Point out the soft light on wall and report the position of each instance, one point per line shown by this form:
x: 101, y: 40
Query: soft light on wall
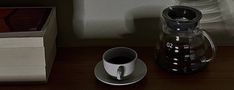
x: 112, y: 18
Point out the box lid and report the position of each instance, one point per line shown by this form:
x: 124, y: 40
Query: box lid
x: 23, y: 21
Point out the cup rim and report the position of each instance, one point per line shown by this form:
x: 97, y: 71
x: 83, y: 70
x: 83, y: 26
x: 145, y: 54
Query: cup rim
x: 104, y: 54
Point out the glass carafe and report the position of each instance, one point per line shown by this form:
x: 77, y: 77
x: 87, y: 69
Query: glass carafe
x: 183, y: 46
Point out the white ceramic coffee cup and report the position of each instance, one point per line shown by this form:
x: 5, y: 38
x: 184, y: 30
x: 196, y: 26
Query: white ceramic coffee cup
x: 119, y: 70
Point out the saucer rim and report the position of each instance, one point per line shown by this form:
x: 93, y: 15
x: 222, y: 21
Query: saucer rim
x: 121, y: 84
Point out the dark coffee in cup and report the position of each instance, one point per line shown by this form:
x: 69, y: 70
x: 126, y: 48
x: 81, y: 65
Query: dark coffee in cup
x: 120, y: 60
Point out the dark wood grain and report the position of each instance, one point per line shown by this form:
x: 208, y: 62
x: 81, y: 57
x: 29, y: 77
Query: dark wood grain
x: 74, y: 70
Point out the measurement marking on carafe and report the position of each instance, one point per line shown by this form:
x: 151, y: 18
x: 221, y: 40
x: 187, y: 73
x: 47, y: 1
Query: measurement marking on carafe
x: 186, y: 56
x: 176, y: 47
x: 175, y: 63
x: 177, y: 38
x: 170, y: 45
x: 178, y: 29
x: 174, y: 70
x: 186, y: 46
x: 175, y: 59
x: 176, y: 51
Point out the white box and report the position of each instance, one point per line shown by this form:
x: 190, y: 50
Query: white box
x: 28, y: 56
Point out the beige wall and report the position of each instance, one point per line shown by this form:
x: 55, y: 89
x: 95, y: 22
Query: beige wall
x: 144, y: 35
x: 67, y: 37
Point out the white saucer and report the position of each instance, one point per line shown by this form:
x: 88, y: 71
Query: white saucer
x: 136, y: 76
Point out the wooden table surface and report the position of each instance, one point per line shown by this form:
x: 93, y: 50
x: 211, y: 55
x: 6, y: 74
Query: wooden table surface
x: 74, y: 70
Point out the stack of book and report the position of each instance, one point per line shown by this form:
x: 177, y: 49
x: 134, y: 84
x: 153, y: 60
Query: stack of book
x: 27, y: 43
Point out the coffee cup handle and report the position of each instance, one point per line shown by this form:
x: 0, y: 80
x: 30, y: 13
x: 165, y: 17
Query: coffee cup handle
x: 120, y: 73
x: 212, y: 46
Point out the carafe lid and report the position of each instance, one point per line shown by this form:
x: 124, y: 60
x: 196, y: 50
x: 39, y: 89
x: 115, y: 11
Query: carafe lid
x: 181, y: 18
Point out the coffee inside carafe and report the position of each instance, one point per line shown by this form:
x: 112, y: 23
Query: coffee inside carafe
x: 178, y: 55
